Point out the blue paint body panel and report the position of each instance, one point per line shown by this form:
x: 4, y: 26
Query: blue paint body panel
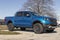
x: 24, y: 21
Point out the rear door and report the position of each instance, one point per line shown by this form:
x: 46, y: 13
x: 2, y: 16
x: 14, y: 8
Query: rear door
x: 19, y: 19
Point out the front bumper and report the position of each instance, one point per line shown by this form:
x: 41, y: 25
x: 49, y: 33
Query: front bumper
x: 49, y: 27
x: 52, y: 26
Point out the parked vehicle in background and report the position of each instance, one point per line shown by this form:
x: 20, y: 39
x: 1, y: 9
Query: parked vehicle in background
x: 2, y: 22
x: 27, y: 19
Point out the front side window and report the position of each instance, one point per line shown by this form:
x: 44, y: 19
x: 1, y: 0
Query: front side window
x: 26, y: 14
x: 36, y: 14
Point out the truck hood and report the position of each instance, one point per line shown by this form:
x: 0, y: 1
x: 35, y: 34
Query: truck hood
x: 46, y: 17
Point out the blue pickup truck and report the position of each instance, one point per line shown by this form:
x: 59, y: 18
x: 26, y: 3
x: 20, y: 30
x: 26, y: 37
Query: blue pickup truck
x: 28, y: 19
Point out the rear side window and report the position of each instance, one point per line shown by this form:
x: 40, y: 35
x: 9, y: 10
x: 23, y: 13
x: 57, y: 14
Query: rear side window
x: 19, y: 14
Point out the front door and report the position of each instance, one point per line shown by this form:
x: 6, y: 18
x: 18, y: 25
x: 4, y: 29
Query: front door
x: 27, y: 19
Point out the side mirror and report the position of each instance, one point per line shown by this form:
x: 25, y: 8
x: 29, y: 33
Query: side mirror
x: 28, y: 15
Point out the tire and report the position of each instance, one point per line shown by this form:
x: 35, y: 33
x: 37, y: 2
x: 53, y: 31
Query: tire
x: 22, y: 28
x: 38, y: 28
x: 49, y: 31
x: 10, y: 27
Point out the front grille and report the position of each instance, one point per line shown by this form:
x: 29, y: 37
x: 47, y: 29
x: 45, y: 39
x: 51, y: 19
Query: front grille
x: 54, y: 21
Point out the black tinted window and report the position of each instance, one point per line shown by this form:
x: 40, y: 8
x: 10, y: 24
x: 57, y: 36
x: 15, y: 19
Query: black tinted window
x: 26, y: 14
x: 19, y: 14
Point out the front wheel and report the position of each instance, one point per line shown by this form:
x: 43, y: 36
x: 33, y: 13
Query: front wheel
x: 38, y: 28
x: 10, y: 27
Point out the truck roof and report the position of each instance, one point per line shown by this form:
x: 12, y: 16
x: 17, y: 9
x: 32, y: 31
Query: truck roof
x: 24, y: 11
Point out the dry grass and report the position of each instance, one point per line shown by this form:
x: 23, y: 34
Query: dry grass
x: 3, y: 27
x: 8, y: 33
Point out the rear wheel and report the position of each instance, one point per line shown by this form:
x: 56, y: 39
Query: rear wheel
x: 22, y: 28
x: 10, y: 27
x: 38, y: 28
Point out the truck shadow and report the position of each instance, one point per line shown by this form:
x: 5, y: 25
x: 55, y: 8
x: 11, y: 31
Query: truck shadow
x: 51, y: 32
x: 28, y: 30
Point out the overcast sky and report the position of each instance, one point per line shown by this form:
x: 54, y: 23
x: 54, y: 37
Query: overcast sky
x: 9, y: 7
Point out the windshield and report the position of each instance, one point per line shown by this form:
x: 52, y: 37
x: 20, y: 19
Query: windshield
x: 36, y: 14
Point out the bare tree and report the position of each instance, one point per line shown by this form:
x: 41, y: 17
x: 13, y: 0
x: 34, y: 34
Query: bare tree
x: 43, y: 7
